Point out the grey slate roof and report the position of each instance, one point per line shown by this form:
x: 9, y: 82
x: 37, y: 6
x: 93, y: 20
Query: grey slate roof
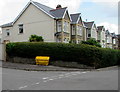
x: 55, y: 13
x: 58, y: 13
x: 74, y: 18
x: 100, y: 27
x: 44, y: 7
x: 89, y: 24
x: 107, y: 32
x: 114, y: 35
x: 7, y: 25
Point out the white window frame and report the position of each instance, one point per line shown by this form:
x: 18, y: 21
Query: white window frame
x: 7, y: 32
x: 73, y: 30
x: 65, y: 26
x: 59, y: 26
x: 89, y: 32
x: 79, y: 30
x: 21, y: 29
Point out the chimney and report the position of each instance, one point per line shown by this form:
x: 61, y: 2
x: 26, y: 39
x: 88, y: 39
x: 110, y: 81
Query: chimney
x: 58, y: 6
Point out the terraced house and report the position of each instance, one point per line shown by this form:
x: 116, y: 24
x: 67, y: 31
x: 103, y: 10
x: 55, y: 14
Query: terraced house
x: 91, y: 30
x: 77, y: 28
x: 101, y: 36
x: 108, y: 39
x: 52, y: 24
x: 114, y: 41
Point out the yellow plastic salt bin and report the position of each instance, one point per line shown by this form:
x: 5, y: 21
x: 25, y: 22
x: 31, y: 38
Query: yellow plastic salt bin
x: 42, y: 60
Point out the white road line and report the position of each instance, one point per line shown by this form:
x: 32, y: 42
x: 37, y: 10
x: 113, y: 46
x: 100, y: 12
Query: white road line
x: 45, y: 78
x: 23, y: 87
x: 84, y: 72
x: 37, y: 83
x: 51, y: 79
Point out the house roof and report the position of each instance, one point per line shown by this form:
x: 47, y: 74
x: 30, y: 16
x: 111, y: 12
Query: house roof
x: 75, y: 18
x: 44, y: 7
x: 114, y: 35
x: 108, y: 33
x: 58, y: 13
x: 100, y: 27
x: 7, y: 25
x: 89, y: 24
x: 53, y: 13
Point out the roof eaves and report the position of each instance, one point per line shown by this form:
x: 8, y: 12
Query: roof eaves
x: 78, y: 18
x: 68, y: 14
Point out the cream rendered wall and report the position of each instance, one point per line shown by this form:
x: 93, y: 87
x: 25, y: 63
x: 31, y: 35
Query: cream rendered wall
x: 34, y: 22
x: 4, y: 35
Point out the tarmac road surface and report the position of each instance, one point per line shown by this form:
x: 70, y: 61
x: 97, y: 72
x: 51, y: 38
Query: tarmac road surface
x: 106, y: 79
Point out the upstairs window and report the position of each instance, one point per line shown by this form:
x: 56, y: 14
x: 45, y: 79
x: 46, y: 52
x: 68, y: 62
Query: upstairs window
x: 59, y: 26
x: 79, y: 30
x: 7, y: 32
x: 20, y: 28
x: 66, y: 25
x: 89, y: 33
x: 73, y: 30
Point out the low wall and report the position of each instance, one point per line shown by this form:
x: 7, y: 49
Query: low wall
x: 2, y: 51
x: 21, y: 60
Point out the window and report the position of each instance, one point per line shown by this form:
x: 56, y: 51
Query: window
x: 7, y: 32
x: 65, y: 26
x: 59, y: 26
x: 58, y: 40
x: 73, y: 30
x: 89, y: 33
x: 79, y: 30
x: 114, y: 41
x: 20, y: 28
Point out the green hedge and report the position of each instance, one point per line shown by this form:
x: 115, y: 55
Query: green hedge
x: 80, y: 53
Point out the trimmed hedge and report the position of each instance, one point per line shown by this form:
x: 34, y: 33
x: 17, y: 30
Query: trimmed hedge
x: 80, y: 53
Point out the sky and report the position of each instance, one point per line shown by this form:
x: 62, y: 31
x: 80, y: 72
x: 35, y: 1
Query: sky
x: 103, y: 12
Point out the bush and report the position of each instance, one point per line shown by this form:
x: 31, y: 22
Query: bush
x: 35, y: 38
x: 82, y: 54
x: 91, y: 41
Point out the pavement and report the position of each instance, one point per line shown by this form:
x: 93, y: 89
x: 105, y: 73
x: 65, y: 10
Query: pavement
x: 29, y: 67
x: 14, y: 79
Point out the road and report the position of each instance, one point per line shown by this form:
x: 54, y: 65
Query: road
x: 41, y: 80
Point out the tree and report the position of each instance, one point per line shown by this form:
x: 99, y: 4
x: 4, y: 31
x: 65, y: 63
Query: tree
x: 35, y: 38
x: 91, y: 41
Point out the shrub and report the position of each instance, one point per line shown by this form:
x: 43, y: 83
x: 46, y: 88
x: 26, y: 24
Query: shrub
x: 82, y: 54
x: 91, y: 41
x: 35, y: 38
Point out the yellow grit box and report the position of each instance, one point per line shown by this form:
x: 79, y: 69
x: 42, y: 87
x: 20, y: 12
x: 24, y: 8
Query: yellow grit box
x: 42, y: 60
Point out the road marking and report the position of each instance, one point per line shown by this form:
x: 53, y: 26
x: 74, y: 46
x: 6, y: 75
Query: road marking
x: 45, y: 78
x: 50, y: 79
x: 37, y: 83
x: 23, y: 87
x: 84, y: 72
